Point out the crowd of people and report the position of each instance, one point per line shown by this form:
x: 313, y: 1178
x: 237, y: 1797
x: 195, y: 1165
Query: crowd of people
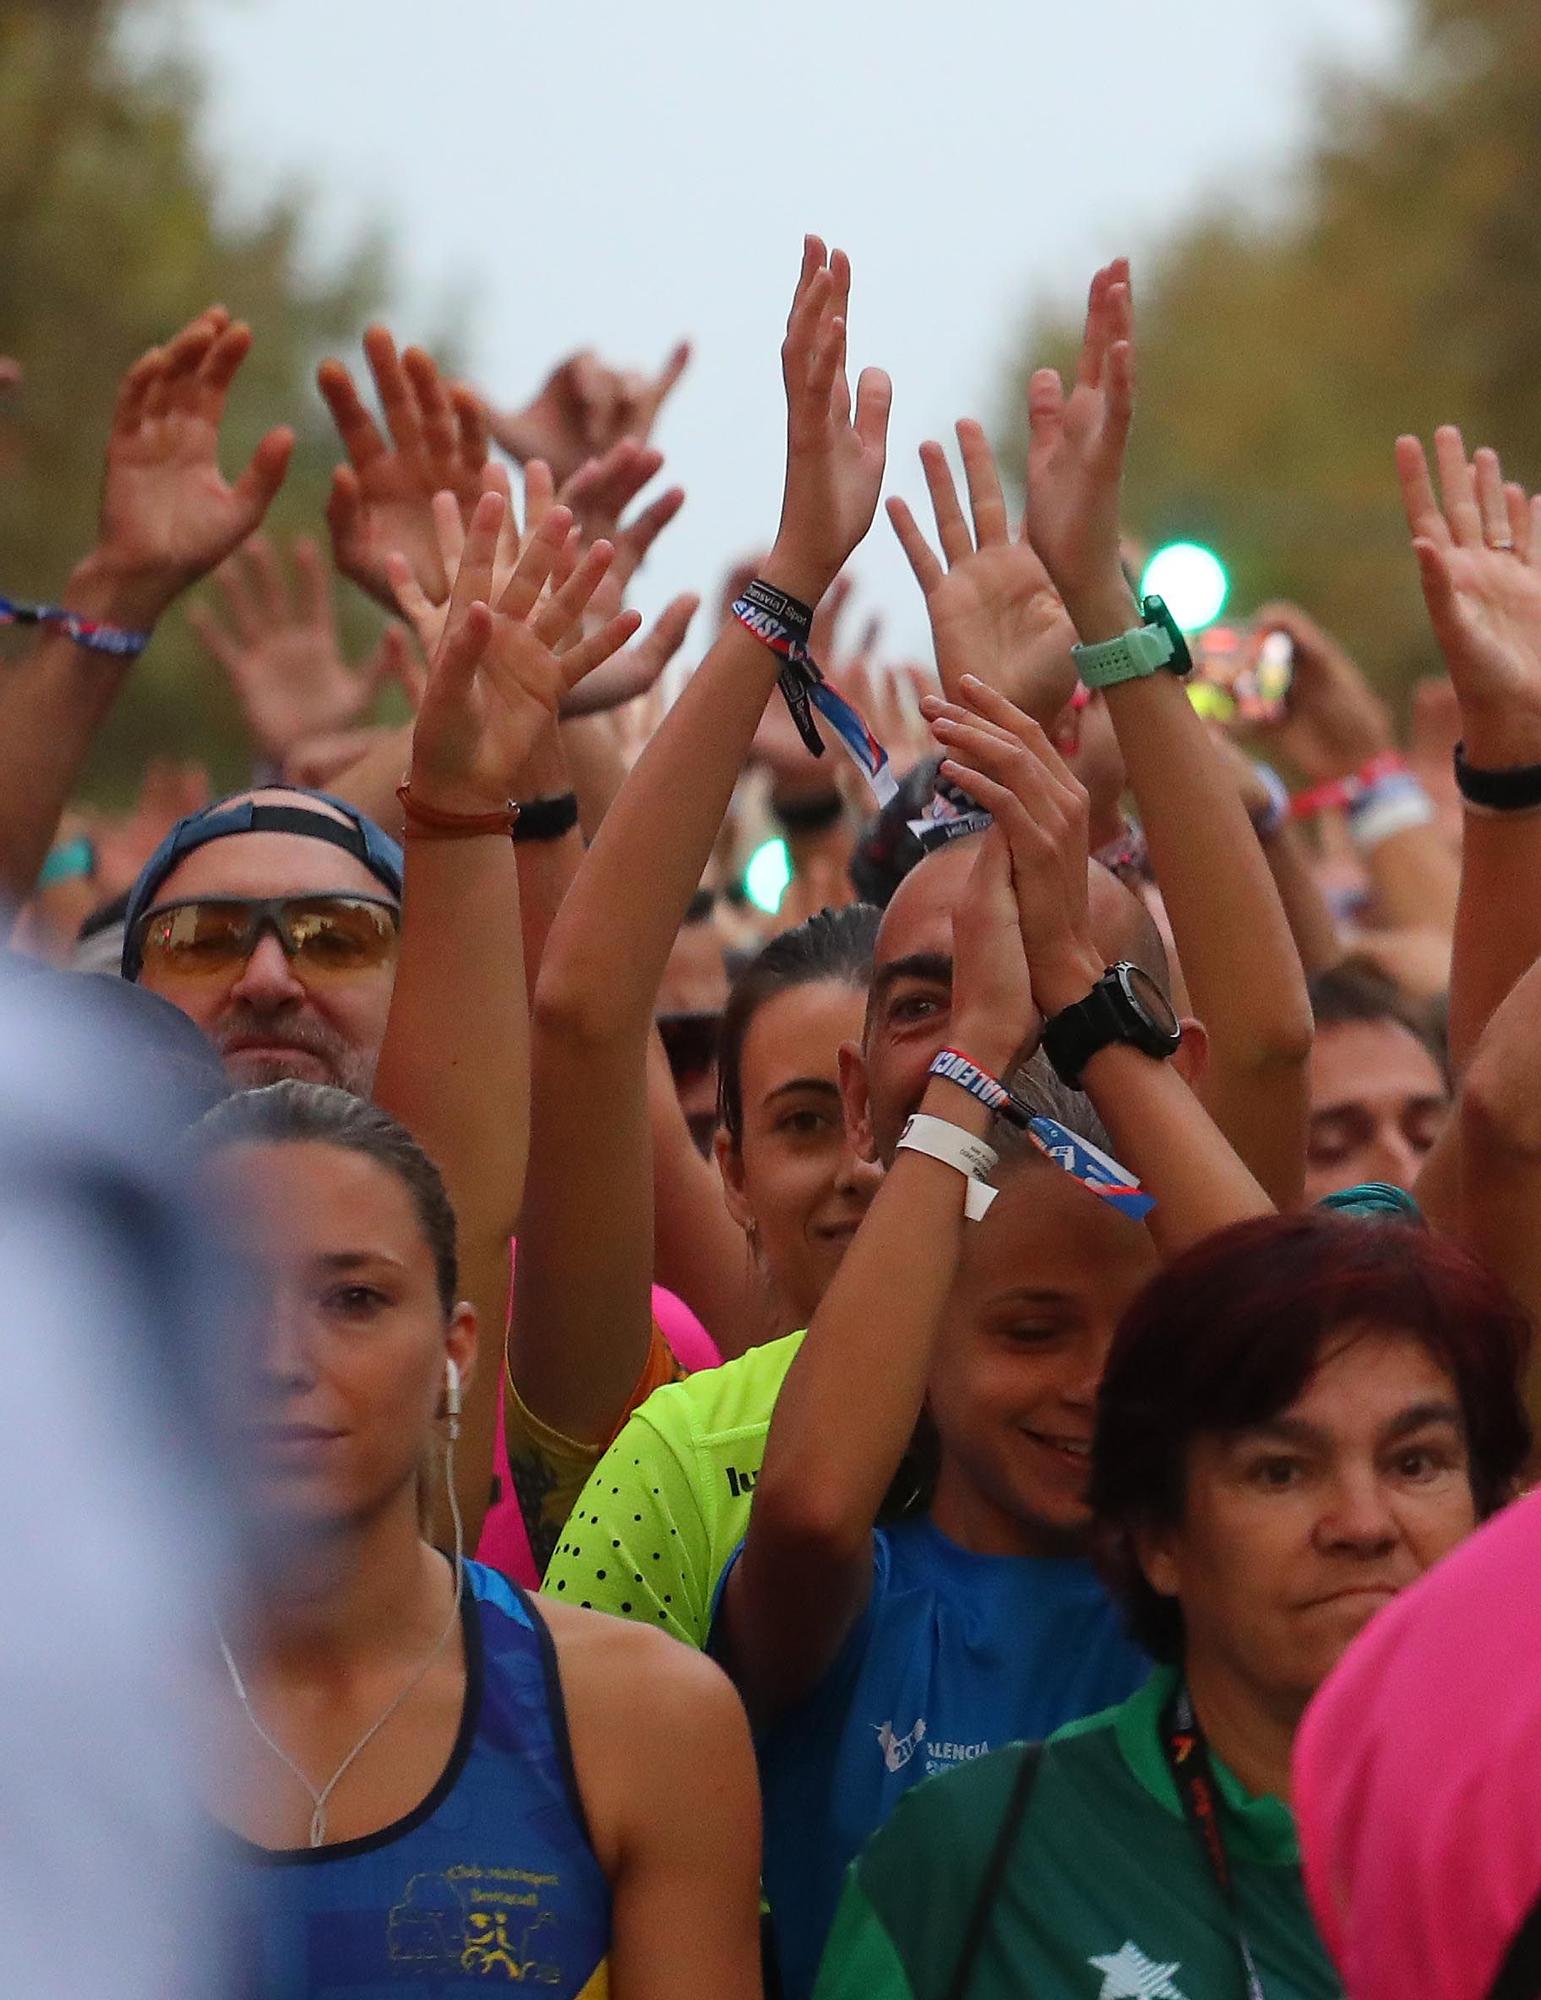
x: 962, y: 1437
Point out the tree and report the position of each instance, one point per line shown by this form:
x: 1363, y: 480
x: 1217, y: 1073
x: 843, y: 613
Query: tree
x: 1401, y: 289
x: 111, y: 235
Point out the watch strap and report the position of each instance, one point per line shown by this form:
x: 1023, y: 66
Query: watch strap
x: 1074, y: 1035
x: 1133, y: 656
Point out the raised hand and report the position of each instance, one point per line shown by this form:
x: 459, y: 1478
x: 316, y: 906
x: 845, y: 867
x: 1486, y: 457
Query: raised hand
x: 583, y: 409
x: 1075, y: 461
x: 168, y: 515
x: 835, y: 457
x: 636, y: 669
x: 499, y: 673
x: 993, y: 610
x: 1334, y: 722
x: 280, y: 649
x: 994, y: 1011
x: 381, y: 498
x: 600, y: 491
x: 1002, y: 758
x: 1479, y: 560
x: 427, y: 614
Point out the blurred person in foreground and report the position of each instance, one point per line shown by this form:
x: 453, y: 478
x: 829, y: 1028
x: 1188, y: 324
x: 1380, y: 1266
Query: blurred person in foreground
x: 117, y: 1303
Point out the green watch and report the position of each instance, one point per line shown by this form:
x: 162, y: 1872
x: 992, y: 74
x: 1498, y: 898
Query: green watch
x: 1159, y: 642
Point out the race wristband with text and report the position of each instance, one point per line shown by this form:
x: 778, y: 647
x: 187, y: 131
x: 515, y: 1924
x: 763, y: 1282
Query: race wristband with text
x: 956, y: 1067
x: 88, y: 632
x: 1092, y: 1167
x: 785, y: 624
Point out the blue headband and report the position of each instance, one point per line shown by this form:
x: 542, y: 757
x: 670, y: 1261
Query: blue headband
x: 358, y: 835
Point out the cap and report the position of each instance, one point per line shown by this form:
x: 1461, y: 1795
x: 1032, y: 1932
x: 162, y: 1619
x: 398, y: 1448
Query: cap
x: 355, y: 834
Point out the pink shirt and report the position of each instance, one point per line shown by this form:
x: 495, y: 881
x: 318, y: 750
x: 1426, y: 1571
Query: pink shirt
x: 504, y: 1543
x: 1417, y: 1780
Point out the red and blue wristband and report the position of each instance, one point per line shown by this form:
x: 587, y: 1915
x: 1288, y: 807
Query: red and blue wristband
x: 1085, y: 1163
x: 785, y: 624
x: 88, y: 632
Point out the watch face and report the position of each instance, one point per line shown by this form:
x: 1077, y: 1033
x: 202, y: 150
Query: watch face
x: 1149, y: 1000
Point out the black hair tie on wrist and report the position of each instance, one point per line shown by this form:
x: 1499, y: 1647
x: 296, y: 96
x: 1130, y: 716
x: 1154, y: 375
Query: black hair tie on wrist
x: 809, y: 815
x: 547, y: 819
x: 1513, y: 788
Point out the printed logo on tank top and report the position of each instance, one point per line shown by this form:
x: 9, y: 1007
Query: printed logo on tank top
x: 740, y: 1483
x: 488, y: 1922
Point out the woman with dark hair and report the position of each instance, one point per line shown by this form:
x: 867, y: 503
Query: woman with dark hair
x: 794, y: 1183
x: 608, y: 1139
x: 424, y: 1777
x: 1298, y: 1418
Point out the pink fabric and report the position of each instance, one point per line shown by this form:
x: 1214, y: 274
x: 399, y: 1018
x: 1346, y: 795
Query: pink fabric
x: 504, y: 1543
x: 1416, y: 1781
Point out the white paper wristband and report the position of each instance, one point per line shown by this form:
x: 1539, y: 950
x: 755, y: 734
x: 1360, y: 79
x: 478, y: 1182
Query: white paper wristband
x: 940, y: 1140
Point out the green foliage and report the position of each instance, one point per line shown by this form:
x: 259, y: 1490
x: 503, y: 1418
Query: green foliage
x: 1279, y: 360
x: 112, y: 235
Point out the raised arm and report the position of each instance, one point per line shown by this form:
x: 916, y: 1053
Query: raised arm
x: 455, y: 1064
x: 168, y: 517
x: 1479, y: 558
x: 1211, y: 873
x: 1336, y: 727
x: 582, y: 1325
x: 1161, y: 1131
x: 847, y: 1412
x: 1498, y: 1115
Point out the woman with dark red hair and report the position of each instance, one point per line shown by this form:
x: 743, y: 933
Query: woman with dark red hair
x: 1298, y: 1418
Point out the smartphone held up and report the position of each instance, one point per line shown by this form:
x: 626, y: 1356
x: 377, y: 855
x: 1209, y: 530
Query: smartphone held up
x: 1242, y: 674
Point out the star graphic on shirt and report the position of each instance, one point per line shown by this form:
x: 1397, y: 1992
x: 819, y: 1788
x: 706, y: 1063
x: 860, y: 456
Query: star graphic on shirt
x: 1128, y: 1974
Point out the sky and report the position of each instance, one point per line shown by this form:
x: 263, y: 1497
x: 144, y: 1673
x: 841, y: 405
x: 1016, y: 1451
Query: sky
x: 590, y: 174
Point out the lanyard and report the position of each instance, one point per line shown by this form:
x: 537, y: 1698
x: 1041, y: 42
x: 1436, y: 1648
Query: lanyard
x: 1187, y: 1756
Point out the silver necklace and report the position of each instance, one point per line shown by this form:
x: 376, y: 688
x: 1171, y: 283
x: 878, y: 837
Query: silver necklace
x: 319, y: 1798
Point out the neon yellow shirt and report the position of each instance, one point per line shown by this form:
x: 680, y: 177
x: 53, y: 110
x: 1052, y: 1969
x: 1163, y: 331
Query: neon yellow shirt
x: 669, y: 1502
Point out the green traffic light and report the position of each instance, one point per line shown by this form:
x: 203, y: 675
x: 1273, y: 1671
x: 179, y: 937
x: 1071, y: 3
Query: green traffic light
x: 1192, y: 582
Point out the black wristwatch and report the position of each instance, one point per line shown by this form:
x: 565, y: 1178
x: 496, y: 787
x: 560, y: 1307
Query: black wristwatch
x: 1126, y: 1005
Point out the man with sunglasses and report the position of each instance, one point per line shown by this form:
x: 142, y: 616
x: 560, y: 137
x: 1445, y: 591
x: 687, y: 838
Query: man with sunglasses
x: 271, y: 920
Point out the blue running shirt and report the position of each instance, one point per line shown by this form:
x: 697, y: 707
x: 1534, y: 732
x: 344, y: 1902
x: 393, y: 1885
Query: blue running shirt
x: 955, y: 1654
x: 490, y: 1881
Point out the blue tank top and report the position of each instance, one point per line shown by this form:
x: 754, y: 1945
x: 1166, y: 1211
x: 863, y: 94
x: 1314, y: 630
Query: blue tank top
x: 491, y: 1880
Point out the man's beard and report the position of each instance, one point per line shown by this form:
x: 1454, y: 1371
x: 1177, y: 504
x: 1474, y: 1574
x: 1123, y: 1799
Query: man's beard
x: 300, y: 1048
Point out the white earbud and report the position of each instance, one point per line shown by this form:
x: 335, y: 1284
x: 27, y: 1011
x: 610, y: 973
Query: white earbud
x: 452, y: 1388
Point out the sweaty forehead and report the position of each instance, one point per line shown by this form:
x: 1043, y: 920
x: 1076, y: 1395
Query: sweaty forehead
x: 268, y: 864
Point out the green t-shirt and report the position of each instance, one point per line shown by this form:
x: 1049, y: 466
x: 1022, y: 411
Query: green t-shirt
x: 1106, y: 1894
x: 668, y: 1503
